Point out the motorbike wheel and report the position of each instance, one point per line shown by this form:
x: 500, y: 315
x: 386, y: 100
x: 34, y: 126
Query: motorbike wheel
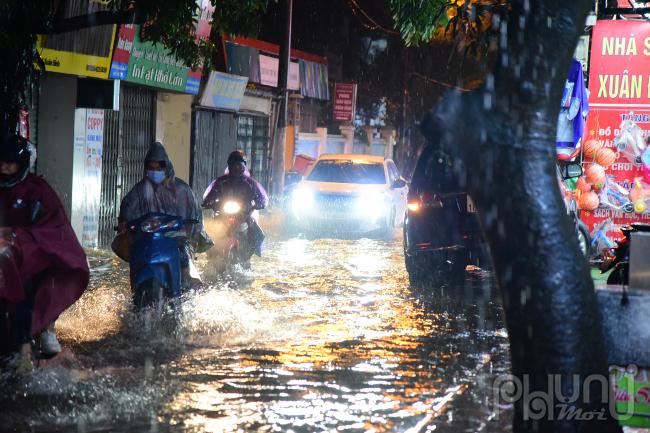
x: 619, y: 275
x: 584, y: 239
x: 148, y: 294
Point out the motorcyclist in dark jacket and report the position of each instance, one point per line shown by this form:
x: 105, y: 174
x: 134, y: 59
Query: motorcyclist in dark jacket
x: 239, y: 183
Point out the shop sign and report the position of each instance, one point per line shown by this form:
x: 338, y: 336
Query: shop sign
x: 59, y: 57
x: 269, y: 74
x: 87, y: 174
x: 314, y: 81
x: 620, y: 70
x: 152, y: 64
x: 631, y: 389
x: 345, y: 100
x: 85, y: 52
x: 224, y: 91
x: 619, y: 87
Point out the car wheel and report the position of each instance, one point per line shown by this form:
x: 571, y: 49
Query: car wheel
x: 415, y: 267
x: 387, y: 231
x: 450, y: 268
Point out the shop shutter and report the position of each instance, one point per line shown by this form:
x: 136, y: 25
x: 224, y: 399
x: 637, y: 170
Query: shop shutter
x: 253, y: 138
x: 214, y: 136
x: 127, y: 136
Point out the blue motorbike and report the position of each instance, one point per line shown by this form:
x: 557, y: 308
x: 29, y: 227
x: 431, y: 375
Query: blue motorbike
x: 155, y: 257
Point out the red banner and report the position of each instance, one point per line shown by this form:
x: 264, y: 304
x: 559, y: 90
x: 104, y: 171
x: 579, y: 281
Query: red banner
x: 620, y: 70
x: 619, y: 84
x: 345, y: 98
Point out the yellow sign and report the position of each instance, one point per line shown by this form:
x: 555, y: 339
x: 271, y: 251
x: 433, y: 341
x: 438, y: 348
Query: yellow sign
x: 77, y: 53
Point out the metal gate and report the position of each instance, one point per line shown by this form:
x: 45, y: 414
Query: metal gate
x: 253, y: 138
x: 127, y: 136
x: 214, y: 136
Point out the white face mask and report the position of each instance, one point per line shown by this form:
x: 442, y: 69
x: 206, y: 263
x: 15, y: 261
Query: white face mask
x: 156, y: 176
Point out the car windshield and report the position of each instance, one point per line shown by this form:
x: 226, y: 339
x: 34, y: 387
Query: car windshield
x: 343, y: 171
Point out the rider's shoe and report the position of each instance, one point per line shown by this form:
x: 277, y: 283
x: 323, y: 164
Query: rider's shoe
x: 22, y: 364
x: 49, y: 343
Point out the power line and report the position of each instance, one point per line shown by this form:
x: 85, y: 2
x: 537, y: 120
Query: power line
x: 374, y: 24
x: 440, y: 83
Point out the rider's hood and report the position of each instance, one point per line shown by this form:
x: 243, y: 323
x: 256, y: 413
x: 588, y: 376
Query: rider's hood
x: 157, y: 152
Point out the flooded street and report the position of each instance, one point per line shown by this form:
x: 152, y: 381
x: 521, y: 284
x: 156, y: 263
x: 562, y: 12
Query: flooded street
x: 321, y: 335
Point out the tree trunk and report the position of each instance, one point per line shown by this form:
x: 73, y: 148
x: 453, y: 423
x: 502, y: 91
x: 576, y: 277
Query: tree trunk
x: 504, y: 139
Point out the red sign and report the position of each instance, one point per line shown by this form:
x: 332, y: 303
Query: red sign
x: 345, y: 100
x: 620, y: 63
x: 619, y: 85
x: 203, y: 29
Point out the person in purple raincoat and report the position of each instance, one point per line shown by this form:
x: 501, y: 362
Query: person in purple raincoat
x: 239, y: 183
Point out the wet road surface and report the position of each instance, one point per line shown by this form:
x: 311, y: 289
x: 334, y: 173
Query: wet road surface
x: 321, y: 335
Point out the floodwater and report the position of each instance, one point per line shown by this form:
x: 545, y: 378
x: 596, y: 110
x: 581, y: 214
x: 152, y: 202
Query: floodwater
x: 320, y: 336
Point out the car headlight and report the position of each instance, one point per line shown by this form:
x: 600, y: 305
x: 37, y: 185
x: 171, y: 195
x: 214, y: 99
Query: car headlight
x: 371, y: 204
x: 231, y: 207
x: 302, y: 197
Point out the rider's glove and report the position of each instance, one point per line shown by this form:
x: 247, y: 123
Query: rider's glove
x: 7, y: 239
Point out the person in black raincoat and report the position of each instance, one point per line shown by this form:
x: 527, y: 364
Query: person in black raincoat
x: 161, y: 191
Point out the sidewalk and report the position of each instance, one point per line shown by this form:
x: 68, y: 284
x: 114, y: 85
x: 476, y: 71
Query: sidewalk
x: 598, y: 277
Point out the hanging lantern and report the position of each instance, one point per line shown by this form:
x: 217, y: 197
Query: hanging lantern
x: 583, y: 185
x: 591, y: 147
x: 588, y: 201
x: 595, y: 175
x: 605, y: 157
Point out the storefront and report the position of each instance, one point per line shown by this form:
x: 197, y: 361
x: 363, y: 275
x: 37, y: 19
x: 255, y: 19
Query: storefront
x: 617, y: 168
x: 257, y: 120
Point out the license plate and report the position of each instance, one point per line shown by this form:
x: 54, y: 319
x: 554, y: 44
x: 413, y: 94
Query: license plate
x: 471, y: 207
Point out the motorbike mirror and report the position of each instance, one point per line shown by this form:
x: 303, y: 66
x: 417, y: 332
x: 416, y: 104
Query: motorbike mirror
x: 571, y: 170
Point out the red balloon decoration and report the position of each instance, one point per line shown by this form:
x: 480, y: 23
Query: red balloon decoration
x: 583, y: 185
x: 591, y: 147
x: 588, y: 201
x: 605, y: 157
x: 595, y: 174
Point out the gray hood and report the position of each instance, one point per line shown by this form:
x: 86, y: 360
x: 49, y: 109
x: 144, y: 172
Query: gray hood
x: 157, y: 152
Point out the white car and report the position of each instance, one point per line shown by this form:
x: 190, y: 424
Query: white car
x: 350, y: 193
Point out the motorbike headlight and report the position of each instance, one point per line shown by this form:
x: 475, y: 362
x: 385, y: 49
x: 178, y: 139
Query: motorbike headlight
x: 231, y: 207
x: 150, y: 225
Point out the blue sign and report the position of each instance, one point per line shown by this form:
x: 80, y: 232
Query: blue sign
x: 224, y: 91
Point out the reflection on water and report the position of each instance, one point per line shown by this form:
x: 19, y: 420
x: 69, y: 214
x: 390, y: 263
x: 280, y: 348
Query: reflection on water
x: 321, y: 335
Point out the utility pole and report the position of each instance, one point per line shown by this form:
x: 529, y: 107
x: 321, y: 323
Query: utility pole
x: 279, y: 147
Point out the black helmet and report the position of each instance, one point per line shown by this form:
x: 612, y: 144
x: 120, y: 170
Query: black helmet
x: 15, y: 148
x: 237, y: 156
